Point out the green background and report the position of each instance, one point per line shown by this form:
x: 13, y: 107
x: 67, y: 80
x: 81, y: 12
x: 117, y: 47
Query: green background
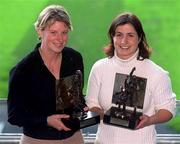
x: 91, y: 20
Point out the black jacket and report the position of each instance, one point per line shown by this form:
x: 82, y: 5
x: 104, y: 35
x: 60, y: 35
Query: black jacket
x: 31, y: 95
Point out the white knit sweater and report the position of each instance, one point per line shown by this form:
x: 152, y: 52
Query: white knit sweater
x: 158, y: 95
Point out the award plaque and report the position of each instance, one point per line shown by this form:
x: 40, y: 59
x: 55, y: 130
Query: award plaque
x: 128, y: 96
x: 70, y: 100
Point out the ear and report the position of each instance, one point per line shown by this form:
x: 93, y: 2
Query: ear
x: 39, y: 32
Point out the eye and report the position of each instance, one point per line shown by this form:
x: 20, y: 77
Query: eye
x: 53, y: 32
x: 65, y: 32
x: 131, y: 35
x: 118, y: 35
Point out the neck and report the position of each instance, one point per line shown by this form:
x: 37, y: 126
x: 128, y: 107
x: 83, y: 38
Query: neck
x: 49, y: 56
x: 52, y: 61
x: 135, y: 55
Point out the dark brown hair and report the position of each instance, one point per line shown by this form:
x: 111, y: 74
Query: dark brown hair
x: 128, y: 18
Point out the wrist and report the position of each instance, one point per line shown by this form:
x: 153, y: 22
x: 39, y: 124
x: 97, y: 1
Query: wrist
x: 152, y: 120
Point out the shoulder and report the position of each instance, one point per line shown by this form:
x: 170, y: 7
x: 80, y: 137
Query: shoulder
x: 71, y: 61
x: 71, y: 56
x: 154, y: 70
x: 25, y: 63
x: 101, y: 62
x: 101, y: 65
x: 154, y: 67
x: 71, y: 52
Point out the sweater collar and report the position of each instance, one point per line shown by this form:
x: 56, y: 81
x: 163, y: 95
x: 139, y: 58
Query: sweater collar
x: 130, y: 60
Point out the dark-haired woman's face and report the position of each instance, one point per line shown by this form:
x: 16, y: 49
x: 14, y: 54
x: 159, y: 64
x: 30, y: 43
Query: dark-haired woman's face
x: 125, y: 41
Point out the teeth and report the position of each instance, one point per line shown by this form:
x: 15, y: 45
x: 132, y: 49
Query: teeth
x: 124, y: 47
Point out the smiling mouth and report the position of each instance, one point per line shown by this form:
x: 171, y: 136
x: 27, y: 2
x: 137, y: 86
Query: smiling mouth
x: 124, y: 47
x: 59, y: 44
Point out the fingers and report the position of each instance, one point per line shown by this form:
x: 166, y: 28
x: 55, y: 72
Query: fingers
x: 86, y: 109
x: 140, y: 125
x: 63, y: 127
x: 143, y: 122
x: 55, y: 121
x: 60, y: 116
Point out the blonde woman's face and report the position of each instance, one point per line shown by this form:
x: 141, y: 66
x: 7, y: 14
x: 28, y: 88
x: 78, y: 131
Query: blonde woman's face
x: 54, y: 37
x: 125, y: 41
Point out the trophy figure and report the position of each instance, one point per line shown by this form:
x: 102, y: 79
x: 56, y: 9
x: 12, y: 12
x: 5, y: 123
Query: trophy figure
x: 70, y: 100
x: 129, y: 91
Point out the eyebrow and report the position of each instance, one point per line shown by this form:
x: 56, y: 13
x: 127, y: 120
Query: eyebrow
x: 127, y: 33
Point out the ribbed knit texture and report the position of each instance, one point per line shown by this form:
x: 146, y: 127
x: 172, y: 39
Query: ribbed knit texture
x: 158, y: 95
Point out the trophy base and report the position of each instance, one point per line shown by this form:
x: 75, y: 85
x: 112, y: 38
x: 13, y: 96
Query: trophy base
x: 117, y: 117
x: 91, y: 118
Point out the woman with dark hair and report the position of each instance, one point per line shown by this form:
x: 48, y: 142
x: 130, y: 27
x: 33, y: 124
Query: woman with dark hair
x: 127, y: 49
x: 128, y: 18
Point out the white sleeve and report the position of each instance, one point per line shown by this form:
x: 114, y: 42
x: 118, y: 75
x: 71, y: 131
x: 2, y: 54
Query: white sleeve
x: 93, y: 88
x: 163, y: 94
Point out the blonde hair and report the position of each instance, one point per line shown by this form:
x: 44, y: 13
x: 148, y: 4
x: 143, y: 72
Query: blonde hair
x: 51, y: 14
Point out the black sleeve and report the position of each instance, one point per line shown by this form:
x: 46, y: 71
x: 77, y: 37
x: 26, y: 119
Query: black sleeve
x: 19, y: 106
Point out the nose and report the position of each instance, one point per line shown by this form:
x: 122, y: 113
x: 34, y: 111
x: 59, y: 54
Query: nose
x: 60, y: 37
x: 124, y: 40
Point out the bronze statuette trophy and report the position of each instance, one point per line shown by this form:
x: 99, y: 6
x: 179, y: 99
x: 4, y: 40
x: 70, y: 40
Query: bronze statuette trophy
x: 128, y: 95
x: 70, y: 100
